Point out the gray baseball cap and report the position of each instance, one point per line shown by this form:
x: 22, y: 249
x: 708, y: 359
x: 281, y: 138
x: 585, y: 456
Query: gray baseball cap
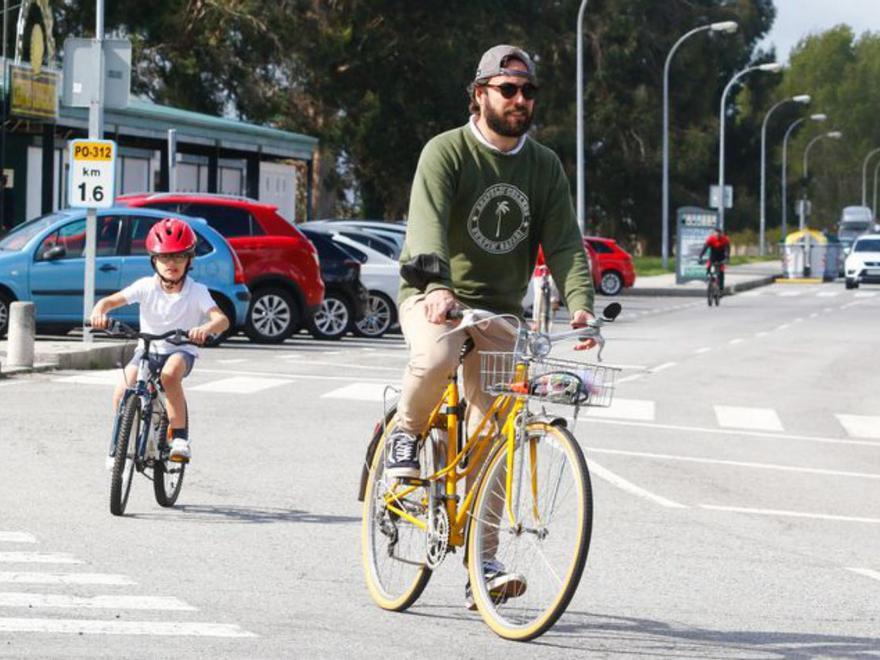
x: 493, y: 62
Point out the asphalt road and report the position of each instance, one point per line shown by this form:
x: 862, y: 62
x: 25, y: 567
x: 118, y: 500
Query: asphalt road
x: 736, y: 480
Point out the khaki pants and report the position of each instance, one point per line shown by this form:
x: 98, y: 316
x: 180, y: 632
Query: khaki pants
x: 431, y: 363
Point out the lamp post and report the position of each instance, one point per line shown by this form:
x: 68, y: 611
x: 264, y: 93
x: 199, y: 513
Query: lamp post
x: 865, y: 175
x: 797, y: 122
x: 800, y: 98
x: 4, y: 221
x: 727, y: 27
x: 772, y: 67
x: 582, y: 220
x: 876, y: 169
x: 835, y: 135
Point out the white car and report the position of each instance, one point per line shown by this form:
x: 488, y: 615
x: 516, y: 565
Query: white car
x: 381, y: 276
x: 863, y: 262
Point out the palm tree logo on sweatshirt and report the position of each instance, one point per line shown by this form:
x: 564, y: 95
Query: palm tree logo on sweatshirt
x: 499, y: 221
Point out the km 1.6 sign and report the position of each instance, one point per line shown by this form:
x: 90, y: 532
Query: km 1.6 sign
x: 92, y: 180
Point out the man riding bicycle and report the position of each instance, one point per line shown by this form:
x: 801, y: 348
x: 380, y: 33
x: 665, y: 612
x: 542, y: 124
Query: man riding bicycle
x: 484, y: 198
x: 718, y: 247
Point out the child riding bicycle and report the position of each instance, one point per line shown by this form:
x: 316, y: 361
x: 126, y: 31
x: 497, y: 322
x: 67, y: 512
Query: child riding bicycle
x: 168, y: 300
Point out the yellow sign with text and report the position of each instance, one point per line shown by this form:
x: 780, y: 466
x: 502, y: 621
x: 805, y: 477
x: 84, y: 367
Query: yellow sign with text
x: 33, y: 95
x: 94, y: 150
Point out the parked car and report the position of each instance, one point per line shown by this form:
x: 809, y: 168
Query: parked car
x: 863, y: 262
x: 280, y: 264
x: 380, y: 274
x: 43, y: 261
x: 389, y: 230
x: 345, y: 297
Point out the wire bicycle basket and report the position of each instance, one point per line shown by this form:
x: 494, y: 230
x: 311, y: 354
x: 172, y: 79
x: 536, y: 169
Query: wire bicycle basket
x: 549, y: 379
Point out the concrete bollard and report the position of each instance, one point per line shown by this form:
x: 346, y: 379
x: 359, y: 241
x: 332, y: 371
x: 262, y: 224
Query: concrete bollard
x: 20, y: 336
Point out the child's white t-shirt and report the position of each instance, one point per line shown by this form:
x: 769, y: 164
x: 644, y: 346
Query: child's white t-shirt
x: 161, y: 312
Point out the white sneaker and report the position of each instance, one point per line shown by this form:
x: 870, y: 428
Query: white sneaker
x: 180, y: 451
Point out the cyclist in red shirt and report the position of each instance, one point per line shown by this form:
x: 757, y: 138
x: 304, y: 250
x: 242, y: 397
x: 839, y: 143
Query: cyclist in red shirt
x: 718, y: 247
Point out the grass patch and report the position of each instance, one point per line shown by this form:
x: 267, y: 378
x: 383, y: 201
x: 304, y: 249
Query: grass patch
x: 647, y: 266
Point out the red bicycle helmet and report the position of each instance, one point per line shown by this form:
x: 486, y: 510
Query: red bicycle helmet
x: 170, y: 236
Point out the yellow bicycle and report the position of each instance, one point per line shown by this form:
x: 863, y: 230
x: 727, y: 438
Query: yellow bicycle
x: 526, y: 500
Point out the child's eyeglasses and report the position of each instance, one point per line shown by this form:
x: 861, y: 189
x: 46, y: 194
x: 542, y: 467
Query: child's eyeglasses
x: 172, y: 258
x: 509, y: 90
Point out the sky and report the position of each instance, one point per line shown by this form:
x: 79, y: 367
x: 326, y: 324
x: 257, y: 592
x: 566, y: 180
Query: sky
x: 797, y: 18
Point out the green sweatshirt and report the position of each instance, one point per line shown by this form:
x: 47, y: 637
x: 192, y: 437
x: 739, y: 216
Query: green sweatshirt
x: 483, y: 214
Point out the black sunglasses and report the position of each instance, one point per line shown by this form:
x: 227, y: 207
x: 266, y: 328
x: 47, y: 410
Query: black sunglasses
x: 509, y: 90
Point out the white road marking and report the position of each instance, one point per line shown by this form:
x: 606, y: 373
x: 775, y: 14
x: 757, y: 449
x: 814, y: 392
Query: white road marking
x: 791, y: 514
x: 17, y: 537
x: 629, y: 487
x: 343, y: 365
x: 789, y: 294
x: 867, y: 572
x: 291, y: 376
x: 24, y: 599
x: 735, y: 432
x: 704, y: 349
x: 290, y: 356
x: 750, y: 294
x: 358, y: 392
x: 240, y: 385
x: 738, y: 340
x: 745, y: 464
x: 865, y: 294
x: 8, y: 383
x: 784, y: 326
x: 28, y: 577
x: 628, y: 379
x: 755, y: 419
x: 826, y: 309
x: 116, y: 627
x: 799, y: 320
x: 814, y: 315
x: 828, y: 294
x: 102, y: 377
x: 232, y: 361
x: 625, y: 409
x: 662, y: 367
x: 851, y: 304
x: 860, y: 426
x: 761, y: 334
x: 39, y: 558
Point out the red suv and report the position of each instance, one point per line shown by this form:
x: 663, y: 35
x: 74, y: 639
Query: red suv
x: 280, y: 264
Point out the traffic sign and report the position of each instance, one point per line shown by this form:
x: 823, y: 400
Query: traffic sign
x: 92, y: 179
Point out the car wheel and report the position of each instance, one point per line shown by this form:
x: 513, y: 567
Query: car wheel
x: 333, y: 319
x: 272, y: 316
x: 850, y: 284
x: 4, y: 313
x: 379, y: 318
x: 611, y: 283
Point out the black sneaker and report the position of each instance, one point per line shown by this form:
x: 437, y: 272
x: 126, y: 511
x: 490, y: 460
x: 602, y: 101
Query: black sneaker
x: 502, y: 585
x: 403, y: 455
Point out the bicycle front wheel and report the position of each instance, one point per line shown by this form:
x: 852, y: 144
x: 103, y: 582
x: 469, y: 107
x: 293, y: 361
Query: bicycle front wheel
x: 393, y: 548
x: 126, y: 441
x: 525, y: 561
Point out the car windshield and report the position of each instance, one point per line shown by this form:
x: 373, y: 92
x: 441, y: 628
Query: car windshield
x: 854, y: 226
x: 17, y: 238
x: 869, y: 245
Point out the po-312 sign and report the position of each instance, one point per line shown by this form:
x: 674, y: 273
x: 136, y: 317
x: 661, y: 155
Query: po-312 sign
x: 92, y: 179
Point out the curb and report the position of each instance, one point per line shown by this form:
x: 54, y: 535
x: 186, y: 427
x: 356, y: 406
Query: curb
x: 104, y: 356
x: 700, y: 292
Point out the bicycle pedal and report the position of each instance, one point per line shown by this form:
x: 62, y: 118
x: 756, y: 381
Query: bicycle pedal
x: 178, y: 459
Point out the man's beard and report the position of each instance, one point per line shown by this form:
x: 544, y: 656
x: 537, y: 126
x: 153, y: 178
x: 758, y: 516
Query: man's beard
x: 509, y: 125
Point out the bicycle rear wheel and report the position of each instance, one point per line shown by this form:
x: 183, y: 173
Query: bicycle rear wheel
x: 542, y: 543
x: 126, y: 441
x: 392, y: 548
x: 167, y: 475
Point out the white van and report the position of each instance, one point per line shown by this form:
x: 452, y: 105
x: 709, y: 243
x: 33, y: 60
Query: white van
x: 854, y: 221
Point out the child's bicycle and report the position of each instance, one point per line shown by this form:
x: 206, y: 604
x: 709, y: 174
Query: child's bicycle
x: 140, y: 430
x: 527, y: 502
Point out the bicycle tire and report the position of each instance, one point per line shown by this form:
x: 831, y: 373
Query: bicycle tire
x: 533, y: 611
x: 167, y: 476
x: 128, y: 429
x: 390, y: 591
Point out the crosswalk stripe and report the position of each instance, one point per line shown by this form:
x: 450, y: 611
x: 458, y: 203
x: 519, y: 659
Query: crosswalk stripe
x: 789, y: 294
x: 17, y: 537
x: 38, y: 558
x: 240, y: 385
x: 358, y: 392
x: 30, y: 577
x: 112, y: 602
x: 755, y: 419
x: 101, y: 377
x: 828, y: 294
x: 116, y: 627
x: 625, y: 409
x: 860, y: 426
x: 865, y: 294
x: 867, y: 572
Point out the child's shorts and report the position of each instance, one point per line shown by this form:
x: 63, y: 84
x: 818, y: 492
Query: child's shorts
x: 158, y: 361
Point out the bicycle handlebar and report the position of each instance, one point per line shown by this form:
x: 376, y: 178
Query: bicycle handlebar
x: 120, y: 330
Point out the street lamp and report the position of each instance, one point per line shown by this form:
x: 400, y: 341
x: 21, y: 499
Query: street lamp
x: 865, y: 174
x: 873, y: 208
x: 582, y: 220
x: 771, y: 67
x: 802, y: 215
x: 728, y: 27
x: 797, y: 122
x: 800, y: 98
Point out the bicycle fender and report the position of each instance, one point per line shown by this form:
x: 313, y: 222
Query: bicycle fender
x: 550, y: 420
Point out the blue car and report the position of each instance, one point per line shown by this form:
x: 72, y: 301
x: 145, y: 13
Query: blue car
x: 43, y: 261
